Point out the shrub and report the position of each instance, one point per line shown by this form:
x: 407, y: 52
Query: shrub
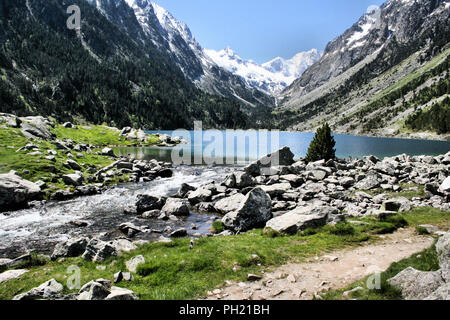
x: 343, y: 229
x: 322, y: 146
x: 218, y: 227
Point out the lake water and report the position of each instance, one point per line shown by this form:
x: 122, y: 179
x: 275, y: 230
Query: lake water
x: 236, y: 153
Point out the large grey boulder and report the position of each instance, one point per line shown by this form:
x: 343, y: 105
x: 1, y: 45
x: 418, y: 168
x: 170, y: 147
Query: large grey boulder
x: 370, y: 182
x: 184, y: 189
x: 442, y: 293
x: 255, y: 210
x: 175, y: 207
x: 95, y: 290
x: 199, y: 195
x: 11, y: 274
x: 15, y: 191
x: 302, y: 218
x: 70, y: 248
x: 147, y: 203
x: 47, y: 290
x: 134, y: 263
x: 276, y: 189
x: 73, y: 179
x: 36, y: 128
x: 443, y: 251
x: 243, y: 180
x: 229, y: 204
x: 98, y: 251
x: 445, y: 186
x: 415, y: 284
x: 282, y: 157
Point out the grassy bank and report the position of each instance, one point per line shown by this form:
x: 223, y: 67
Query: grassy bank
x: 37, y: 167
x: 172, y: 271
x: 426, y: 260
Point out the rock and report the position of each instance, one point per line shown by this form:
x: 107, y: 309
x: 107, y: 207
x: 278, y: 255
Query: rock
x: 349, y: 292
x: 123, y: 276
x: 316, y: 175
x: 164, y: 173
x: 16, y: 192
x: 230, y: 181
x: 282, y: 157
x: 147, y: 202
x: 445, y: 186
x: 123, y: 245
x: 134, y: 263
x: 4, y: 262
x: 255, y: 210
x: 398, y: 205
x: 70, y: 248
x: 294, y: 180
x: 443, y: 251
x: 176, y: 207
x: 276, y: 189
x: 26, y: 258
x: 442, y: 293
x: 253, y: 277
x: 243, y: 180
x: 108, y: 152
x: 184, y: 189
x: 152, y: 214
x: 121, y: 294
x: 74, y: 179
x: 347, y: 182
x: 416, y: 285
x: 301, y: 218
x: 368, y: 183
x: 11, y: 274
x: 229, y: 204
x: 36, y: 128
x: 179, y: 233
x: 130, y: 229
x: 46, y: 290
x: 199, y: 195
x: 98, y: 251
x: 95, y: 290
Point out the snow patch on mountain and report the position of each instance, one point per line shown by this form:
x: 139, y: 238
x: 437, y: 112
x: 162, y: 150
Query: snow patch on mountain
x: 271, y: 77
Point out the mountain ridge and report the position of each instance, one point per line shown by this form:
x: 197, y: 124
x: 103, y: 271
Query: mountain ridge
x: 385, y: 46
x: 271, y: 77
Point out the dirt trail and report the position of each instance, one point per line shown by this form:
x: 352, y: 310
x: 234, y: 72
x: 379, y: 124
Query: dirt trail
x: 336, y: 270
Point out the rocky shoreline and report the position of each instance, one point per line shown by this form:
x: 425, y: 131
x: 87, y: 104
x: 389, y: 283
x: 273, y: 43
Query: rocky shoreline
x: 295, y: 195
x: 286, y: 199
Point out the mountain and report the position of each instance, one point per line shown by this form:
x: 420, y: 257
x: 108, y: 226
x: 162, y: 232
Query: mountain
x: 271, y: 77
x: 386, y: 68
x: 158, y: 26
x: 104, y: 72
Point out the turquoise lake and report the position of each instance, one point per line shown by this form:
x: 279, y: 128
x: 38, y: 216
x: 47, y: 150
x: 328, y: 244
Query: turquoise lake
x: 235, y: 152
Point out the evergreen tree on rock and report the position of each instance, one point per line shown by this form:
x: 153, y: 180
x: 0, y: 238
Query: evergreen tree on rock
x: 322, y: 146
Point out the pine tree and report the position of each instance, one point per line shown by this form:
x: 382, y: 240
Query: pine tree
x: 322, y: 146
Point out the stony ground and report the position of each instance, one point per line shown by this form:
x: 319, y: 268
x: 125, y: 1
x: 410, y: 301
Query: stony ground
x: 336, y: 270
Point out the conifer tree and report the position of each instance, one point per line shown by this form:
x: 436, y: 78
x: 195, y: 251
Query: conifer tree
x: 322, y: 146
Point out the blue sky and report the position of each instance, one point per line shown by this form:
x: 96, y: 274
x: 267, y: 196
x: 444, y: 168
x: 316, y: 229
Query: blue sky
x: 264, y: 29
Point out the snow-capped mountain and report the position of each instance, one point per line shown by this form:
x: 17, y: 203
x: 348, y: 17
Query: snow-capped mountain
x: 271, y: 77
x: 175, y: 39
x: 386, y: 34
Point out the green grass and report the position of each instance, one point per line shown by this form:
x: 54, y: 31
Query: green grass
x: 172, y: 271
x: 408, y: 190
x: 98, y: 136
x: 39, y: 168
x: 426, y: 260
